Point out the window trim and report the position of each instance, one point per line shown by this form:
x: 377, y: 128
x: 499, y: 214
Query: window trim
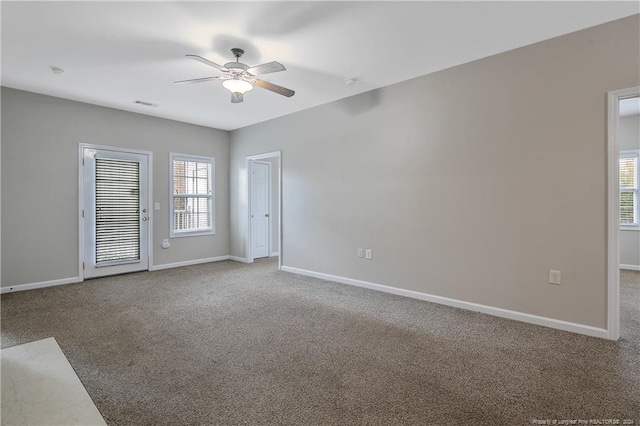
x: 212, y: 197
x: 631, y: 153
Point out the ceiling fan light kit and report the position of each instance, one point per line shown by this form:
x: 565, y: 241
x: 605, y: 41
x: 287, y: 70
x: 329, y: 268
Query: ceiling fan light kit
x: 239, y: 78
x: 237, y: 85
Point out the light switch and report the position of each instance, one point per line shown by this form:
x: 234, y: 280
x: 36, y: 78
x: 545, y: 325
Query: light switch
x: 156, y: 206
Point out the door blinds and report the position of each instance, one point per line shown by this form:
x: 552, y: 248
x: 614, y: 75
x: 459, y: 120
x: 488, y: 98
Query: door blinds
x: 117, y: 211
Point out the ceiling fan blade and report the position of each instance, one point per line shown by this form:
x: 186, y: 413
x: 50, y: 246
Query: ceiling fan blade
x: 236, y: 98
x: 266, y: 68
x: 198, y: 80
x: 207, y: 62
x: 275, y: 88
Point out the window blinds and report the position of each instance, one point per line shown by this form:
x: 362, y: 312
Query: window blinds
x: 628, y: 190
x: 117, y: 211
x: 192, y: 195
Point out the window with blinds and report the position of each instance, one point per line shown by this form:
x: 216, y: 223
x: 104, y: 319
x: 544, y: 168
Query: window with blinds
x: 117, y: 211
x: 192, y: 203
x: 629, y: 177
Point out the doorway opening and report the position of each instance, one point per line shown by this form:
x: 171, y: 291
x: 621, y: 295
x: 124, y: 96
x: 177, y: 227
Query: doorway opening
x: 264, y: 207
x: 114, y: 217
x: 623, y: 203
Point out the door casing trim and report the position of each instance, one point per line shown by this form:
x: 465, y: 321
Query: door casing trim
x: 81, y: 148
x: 613, y: 200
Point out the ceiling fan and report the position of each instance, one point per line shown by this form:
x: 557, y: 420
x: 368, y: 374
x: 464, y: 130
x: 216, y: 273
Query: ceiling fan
x: 239, y: 78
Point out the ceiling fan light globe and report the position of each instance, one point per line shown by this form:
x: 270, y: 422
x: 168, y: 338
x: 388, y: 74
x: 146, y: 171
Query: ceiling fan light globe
x: 237, y: 86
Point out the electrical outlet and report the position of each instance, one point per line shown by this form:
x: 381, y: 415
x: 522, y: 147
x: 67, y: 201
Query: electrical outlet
x: 368, y: 253
x: 359, y: 252
x: 555, y: 277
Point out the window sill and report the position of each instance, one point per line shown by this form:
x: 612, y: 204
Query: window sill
x: 630, y: 228
x: 191, y: 234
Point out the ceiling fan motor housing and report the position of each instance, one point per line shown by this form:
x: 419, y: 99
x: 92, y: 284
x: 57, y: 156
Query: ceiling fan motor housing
x: 236, y: 66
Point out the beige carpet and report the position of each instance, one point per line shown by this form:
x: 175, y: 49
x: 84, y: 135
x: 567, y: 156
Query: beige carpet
x: 228, y: 343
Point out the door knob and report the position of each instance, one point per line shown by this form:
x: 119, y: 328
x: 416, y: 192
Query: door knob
x: 266, y: 215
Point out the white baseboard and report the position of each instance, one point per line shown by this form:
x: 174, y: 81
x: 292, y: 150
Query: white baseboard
x: 41, y: 284
x: 630, y: 267
x: 498, y: 312
x: 187, y: 263
x: 238, y: 259
x: 274, y: 254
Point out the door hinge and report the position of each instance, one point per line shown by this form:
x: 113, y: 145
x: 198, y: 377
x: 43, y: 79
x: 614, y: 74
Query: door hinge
x: 83, y: 265
x: 83, y: 161
x: 82, y: 213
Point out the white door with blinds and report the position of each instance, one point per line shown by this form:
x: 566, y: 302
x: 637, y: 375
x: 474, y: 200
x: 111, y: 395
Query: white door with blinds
x: 115, y: 212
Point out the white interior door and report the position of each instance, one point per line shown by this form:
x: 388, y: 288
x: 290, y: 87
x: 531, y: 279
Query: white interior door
x: 116, y: 212
x: 259, y: 209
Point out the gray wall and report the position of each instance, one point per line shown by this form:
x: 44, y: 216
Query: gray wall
x: 40, y: 137
x: 629, y: 138
x: 470, y: 183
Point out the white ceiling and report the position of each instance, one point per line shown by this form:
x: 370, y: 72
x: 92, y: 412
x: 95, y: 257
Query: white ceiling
x: 117, y: 52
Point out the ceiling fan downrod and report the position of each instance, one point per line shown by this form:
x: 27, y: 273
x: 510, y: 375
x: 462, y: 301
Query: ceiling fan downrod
x: 237, y: 53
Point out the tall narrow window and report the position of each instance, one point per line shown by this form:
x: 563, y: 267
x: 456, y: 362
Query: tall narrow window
x: 629, y: 177
x: 192, y: 195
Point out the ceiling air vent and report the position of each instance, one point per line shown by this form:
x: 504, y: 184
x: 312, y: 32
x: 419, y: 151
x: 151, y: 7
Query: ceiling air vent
x: 149, y: 104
